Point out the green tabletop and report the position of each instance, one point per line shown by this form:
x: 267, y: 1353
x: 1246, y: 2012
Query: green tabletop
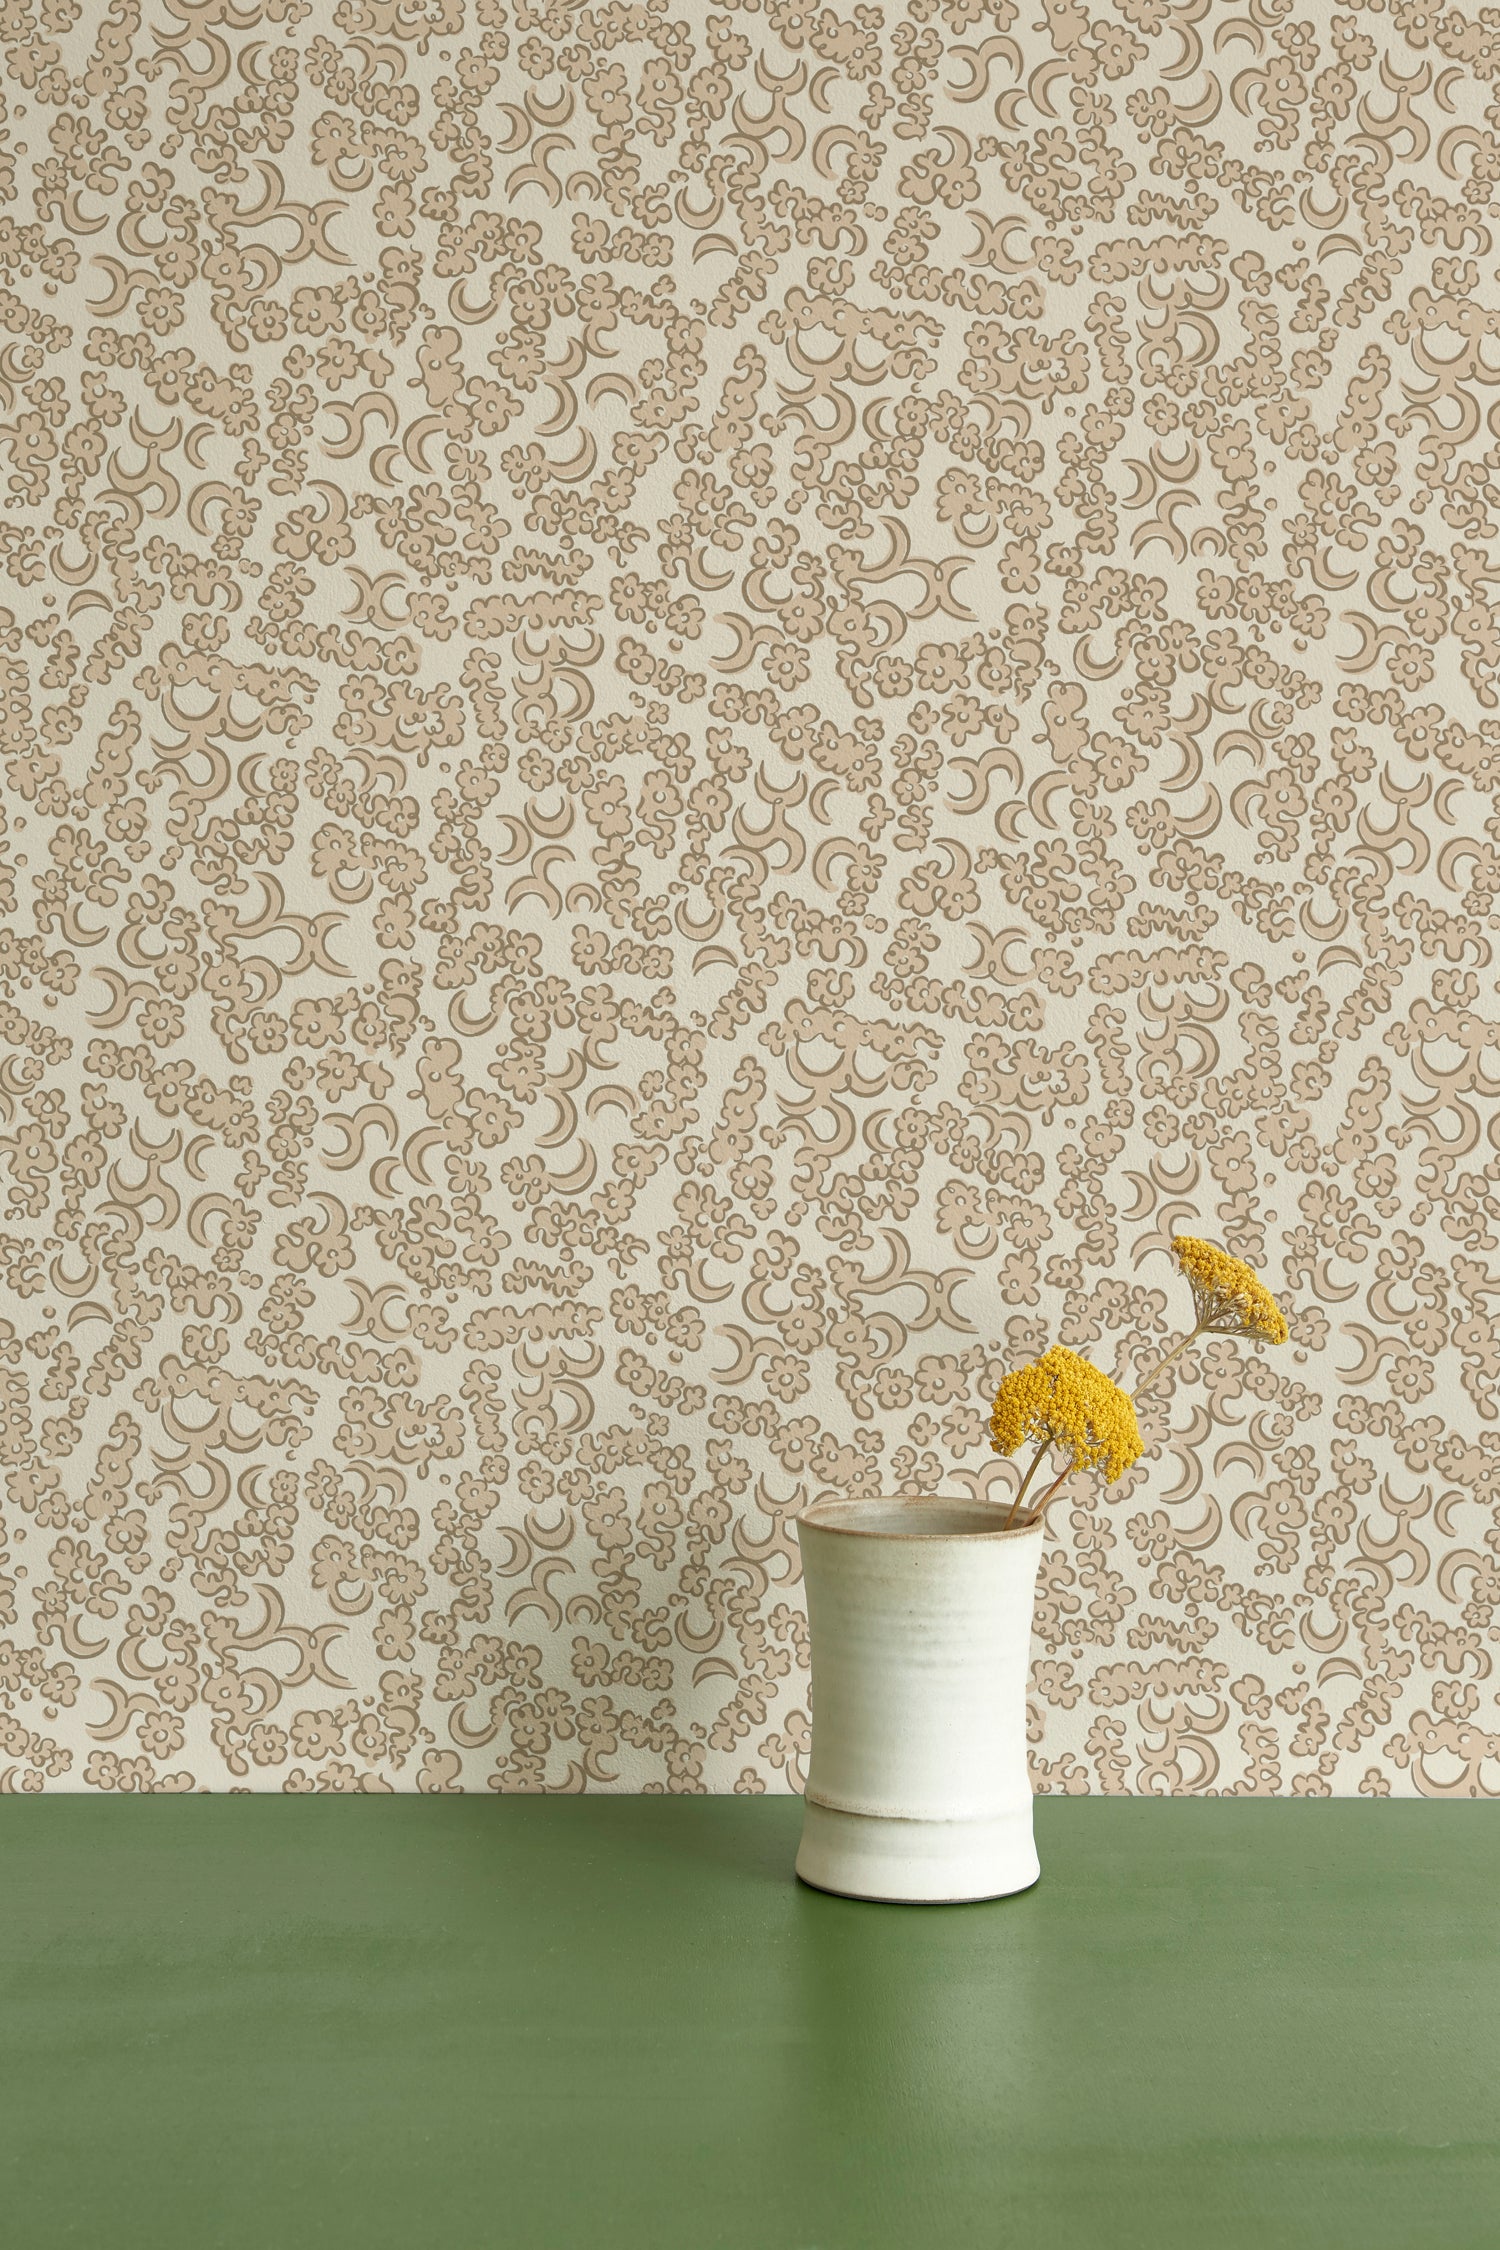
x: 280, y: 2023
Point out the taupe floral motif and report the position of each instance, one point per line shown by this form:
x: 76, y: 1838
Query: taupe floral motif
x: 703, y: 714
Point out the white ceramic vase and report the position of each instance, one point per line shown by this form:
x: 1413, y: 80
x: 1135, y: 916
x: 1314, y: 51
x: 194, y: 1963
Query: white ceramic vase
x: 920, y: 1610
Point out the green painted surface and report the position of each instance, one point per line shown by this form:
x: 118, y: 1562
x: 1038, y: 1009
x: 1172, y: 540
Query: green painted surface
x: 271, y: 2023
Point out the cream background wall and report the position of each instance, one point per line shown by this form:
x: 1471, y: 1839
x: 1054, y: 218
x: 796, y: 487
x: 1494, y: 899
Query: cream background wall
x: 704, y: 710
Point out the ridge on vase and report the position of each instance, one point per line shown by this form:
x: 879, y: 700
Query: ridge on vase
x: 920, y: 1612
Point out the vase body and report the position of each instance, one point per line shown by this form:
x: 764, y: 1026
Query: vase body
x: 920, y: 1614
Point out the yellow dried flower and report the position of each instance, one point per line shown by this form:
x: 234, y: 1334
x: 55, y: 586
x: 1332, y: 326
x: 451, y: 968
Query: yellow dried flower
x: 1230, y: 1297
x: 1062, y: 1400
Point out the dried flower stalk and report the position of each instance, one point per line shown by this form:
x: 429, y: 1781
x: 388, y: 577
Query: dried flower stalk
x: 1064, y: 1402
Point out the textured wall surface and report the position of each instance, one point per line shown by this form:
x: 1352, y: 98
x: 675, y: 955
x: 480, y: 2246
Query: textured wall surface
x: 703, y: 712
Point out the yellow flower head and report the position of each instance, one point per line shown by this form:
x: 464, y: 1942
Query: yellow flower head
x: 1062, y: 1400
x: 1230, y: 1296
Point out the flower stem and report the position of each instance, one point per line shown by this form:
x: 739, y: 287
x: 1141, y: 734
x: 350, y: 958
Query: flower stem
x: 1163, y: 1364
x: 1010, y: 1513
x: 1039, y: 1512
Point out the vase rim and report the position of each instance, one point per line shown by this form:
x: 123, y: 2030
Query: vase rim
x: 901, y: 1511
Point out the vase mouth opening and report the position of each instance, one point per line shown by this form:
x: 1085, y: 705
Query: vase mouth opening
x: 914, y: 1515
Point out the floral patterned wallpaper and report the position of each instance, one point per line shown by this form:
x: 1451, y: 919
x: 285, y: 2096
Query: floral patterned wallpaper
x: 705, y: 709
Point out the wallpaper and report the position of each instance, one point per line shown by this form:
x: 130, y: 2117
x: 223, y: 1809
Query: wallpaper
x: 705, y: 711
